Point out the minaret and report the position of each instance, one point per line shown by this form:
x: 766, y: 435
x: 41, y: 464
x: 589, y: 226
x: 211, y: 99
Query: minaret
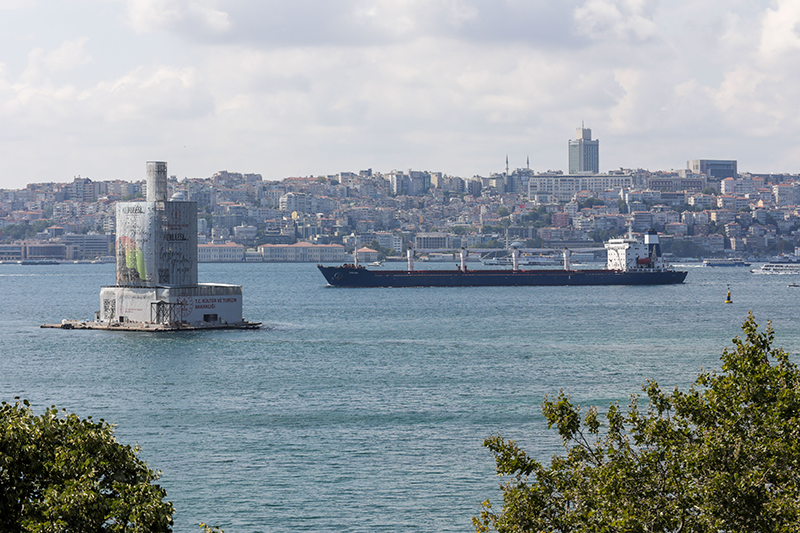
x: 506, y: 164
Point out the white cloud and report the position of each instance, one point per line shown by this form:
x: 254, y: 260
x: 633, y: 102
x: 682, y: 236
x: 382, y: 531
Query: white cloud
x: 65, y: 58
x: 617, y: 19
x: 781, y: 30
x: 313, y: 86
x: 152, y: 15
x: 8, y: 5
x: 152, y: 95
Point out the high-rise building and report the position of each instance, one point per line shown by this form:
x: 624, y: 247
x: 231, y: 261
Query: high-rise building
x: 584, y: 153
x: 716, y: 169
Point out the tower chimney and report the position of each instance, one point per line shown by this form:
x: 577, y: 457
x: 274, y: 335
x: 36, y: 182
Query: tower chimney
x: 156, y: 181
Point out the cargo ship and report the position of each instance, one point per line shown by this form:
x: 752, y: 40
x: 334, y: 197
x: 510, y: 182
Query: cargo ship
x: 630, y: 262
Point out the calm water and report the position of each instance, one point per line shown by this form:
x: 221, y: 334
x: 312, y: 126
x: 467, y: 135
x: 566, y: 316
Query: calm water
x: 361, y: 409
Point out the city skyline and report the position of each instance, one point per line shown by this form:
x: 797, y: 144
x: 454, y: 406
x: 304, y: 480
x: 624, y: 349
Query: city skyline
x: 94, y: 87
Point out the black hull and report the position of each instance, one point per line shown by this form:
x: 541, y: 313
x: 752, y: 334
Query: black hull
x: 348, y: 276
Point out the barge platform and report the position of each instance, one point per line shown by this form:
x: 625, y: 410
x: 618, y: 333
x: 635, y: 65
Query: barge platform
x: 147, y: 326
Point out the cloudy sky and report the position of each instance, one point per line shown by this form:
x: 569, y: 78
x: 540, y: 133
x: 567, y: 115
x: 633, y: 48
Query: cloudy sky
x: 307, y: 87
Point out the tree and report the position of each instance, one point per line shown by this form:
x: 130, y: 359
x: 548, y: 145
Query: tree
x: 590, y: 202
x: 383, y: 252
x: 535, y: 242
x: 679, y: 248
x: 64, y: 474
x: 24, y: 230
x: 722, y: 457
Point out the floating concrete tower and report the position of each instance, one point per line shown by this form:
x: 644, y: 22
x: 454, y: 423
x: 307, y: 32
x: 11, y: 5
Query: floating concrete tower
x: 157, y: 284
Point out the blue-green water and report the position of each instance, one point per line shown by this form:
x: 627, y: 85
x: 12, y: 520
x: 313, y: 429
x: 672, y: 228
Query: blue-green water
x: 361, y: 409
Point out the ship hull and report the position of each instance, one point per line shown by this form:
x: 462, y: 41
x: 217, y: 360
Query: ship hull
x: 348, y: 276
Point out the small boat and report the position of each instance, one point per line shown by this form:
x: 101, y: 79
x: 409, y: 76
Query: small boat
x: 376, y: 264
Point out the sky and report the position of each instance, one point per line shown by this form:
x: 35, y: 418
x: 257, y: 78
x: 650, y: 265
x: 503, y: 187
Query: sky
x: 95, y: 88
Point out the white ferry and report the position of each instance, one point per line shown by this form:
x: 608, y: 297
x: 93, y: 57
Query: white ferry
x: 784, y: 265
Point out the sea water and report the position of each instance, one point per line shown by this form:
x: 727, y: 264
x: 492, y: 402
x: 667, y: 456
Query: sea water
x: 362, y: 409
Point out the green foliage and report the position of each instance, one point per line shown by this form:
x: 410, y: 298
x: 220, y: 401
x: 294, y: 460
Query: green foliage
x: 463, y: 230
x: 722, y: 457
x: 383, y: 252
x: 18, y: 232
x: 680, y: 248
x: 590, y: 202
x: 604, y: 235
x: 781, y: 246
x: 65, y: 474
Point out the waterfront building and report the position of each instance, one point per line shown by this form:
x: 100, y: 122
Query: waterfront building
x: 46, y: 250
x: 367, y: 255
x: 228, y: 252
x: 11, y: 252
x: 89, y: 245
x: 302, y: 252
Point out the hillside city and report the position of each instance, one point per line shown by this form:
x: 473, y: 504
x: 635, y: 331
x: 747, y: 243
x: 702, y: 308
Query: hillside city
x: 707, y: 209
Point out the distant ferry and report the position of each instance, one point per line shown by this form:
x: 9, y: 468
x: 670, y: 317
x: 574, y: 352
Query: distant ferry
x: 524, y: 260
x: 789, y: 264
x: 725, y: 263
x: 37, y: 262
x: 630, y: 262
x: 778, y: 267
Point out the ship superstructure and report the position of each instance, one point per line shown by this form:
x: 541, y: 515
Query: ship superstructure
x: 629, y: 254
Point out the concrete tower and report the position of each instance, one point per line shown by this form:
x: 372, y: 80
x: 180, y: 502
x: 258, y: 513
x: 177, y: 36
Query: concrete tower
x: 584, y: 153
x: 156, y: 181
x: 157, y: 284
